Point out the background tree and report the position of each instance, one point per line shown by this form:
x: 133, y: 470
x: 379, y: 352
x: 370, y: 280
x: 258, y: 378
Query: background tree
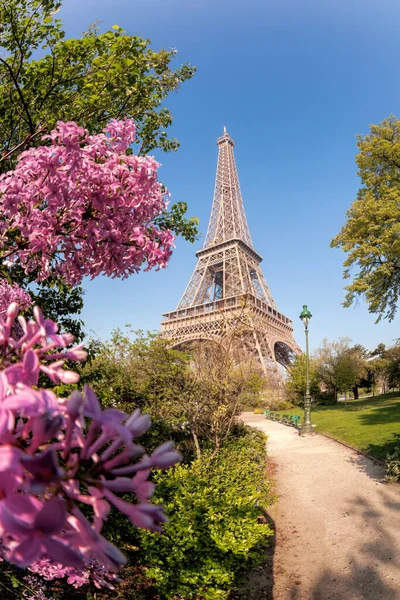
x: 384, y: 368
x: 339, y: 366
x: 218, y: 382
x: 45, y: 78
x: 137, y: 369
x: 358, y: 356
x: 200, y: 389
x: 295, y: 383
x: 371, y: 234
x: 391, y: 359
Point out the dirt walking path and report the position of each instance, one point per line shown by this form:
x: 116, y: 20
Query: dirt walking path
x: 337, y: 523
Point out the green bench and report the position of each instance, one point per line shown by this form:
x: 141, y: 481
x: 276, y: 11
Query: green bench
x: 286, y: 419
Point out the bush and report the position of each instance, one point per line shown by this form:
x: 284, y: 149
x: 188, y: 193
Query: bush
x: 393, y: 466
x: 323, y: 398
x: 280, y: 404
x: 213, y: 534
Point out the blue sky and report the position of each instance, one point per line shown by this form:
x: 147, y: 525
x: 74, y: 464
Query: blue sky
x: 294, y: 81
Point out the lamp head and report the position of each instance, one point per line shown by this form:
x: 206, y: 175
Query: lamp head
x: 305, y: 315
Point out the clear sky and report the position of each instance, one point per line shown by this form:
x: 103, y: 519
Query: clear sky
x: 294, y: 81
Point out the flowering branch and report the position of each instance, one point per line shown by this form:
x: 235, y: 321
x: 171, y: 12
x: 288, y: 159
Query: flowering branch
x: 57, y: 455
x: 81, y: 206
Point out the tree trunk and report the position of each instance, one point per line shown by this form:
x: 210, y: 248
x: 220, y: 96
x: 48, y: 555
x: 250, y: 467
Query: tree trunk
x: 355, y: 392
x: 216, y: 450
x: 196, y: 443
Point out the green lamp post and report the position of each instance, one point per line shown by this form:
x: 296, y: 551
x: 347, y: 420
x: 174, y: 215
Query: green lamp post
x: 305, y: 316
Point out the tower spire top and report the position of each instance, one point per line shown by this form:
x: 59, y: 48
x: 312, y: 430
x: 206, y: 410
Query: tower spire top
x: 228, y: 220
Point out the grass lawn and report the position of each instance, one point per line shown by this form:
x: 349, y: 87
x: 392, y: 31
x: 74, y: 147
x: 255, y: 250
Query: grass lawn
x: 370, y: 424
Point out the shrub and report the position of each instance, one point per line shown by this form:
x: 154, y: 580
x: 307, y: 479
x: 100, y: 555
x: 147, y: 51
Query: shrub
x: 324, y: 398
x: 213, y: 533
x: 279, y: 404
x: 393, y: 466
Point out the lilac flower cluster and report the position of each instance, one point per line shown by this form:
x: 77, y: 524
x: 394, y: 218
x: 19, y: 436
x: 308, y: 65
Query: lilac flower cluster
x: 59, y: 454
x: 84, y: 207
x: 12, y: 293
x: 92, y: 572
x: 36, y: 589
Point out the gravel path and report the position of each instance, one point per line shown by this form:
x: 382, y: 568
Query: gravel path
x: 337, y: 523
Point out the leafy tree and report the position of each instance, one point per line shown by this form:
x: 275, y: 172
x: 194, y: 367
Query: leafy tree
x: 45, y: 78
x: 371, y: 234
x: 392, y: 366
x: 137, y: 369
x: 90, y: 80
x: 218, y: 383
x: 296, y: 380
x: 379, y: 350
x: 358, y: 357
x: 201, y: 388
x: 385, y: 367
x: 378, y: 366
x: 340, y: 366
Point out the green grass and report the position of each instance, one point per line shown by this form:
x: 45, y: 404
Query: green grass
x: 370, y: 424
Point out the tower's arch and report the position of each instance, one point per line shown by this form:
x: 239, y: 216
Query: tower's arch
x: 284, y: 353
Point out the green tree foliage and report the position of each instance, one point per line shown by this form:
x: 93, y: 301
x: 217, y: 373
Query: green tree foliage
x: 90, y: 80
x: 296, y: 380
x: 201, y: 389
x: 45, y: 77
x: 371, y: 234
x: 217, y: 384
x: 137, y: 369
x: 340, y: 366
x: 213, y: 533
x: 386, y: 366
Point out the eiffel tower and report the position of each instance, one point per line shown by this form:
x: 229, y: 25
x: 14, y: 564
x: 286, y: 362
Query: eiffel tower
x: 228, y: 280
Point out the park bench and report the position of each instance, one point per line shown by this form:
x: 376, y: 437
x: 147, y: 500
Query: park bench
x: 286, y: 419
x: 295, y: 420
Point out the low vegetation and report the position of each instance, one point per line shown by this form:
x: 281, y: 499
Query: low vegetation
x: 215, y: 499
x: 214, y: 533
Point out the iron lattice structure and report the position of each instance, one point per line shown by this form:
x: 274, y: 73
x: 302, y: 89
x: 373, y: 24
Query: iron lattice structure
x: 227, y: 285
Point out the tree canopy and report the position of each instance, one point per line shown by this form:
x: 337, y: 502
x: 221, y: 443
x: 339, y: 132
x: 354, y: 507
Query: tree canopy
x: 340, y: 365
x: 89, y: 80
x: 46, y: 78
x: 371, y: 234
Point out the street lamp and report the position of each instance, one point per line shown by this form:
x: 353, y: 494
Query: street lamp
x: 305, y: 316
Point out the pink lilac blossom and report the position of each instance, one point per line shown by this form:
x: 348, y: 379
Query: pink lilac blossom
x: 36, y: 589
x: 83, y: 207
x: 92, y: 572
x: 57, y: 454
x: 12, y: 293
